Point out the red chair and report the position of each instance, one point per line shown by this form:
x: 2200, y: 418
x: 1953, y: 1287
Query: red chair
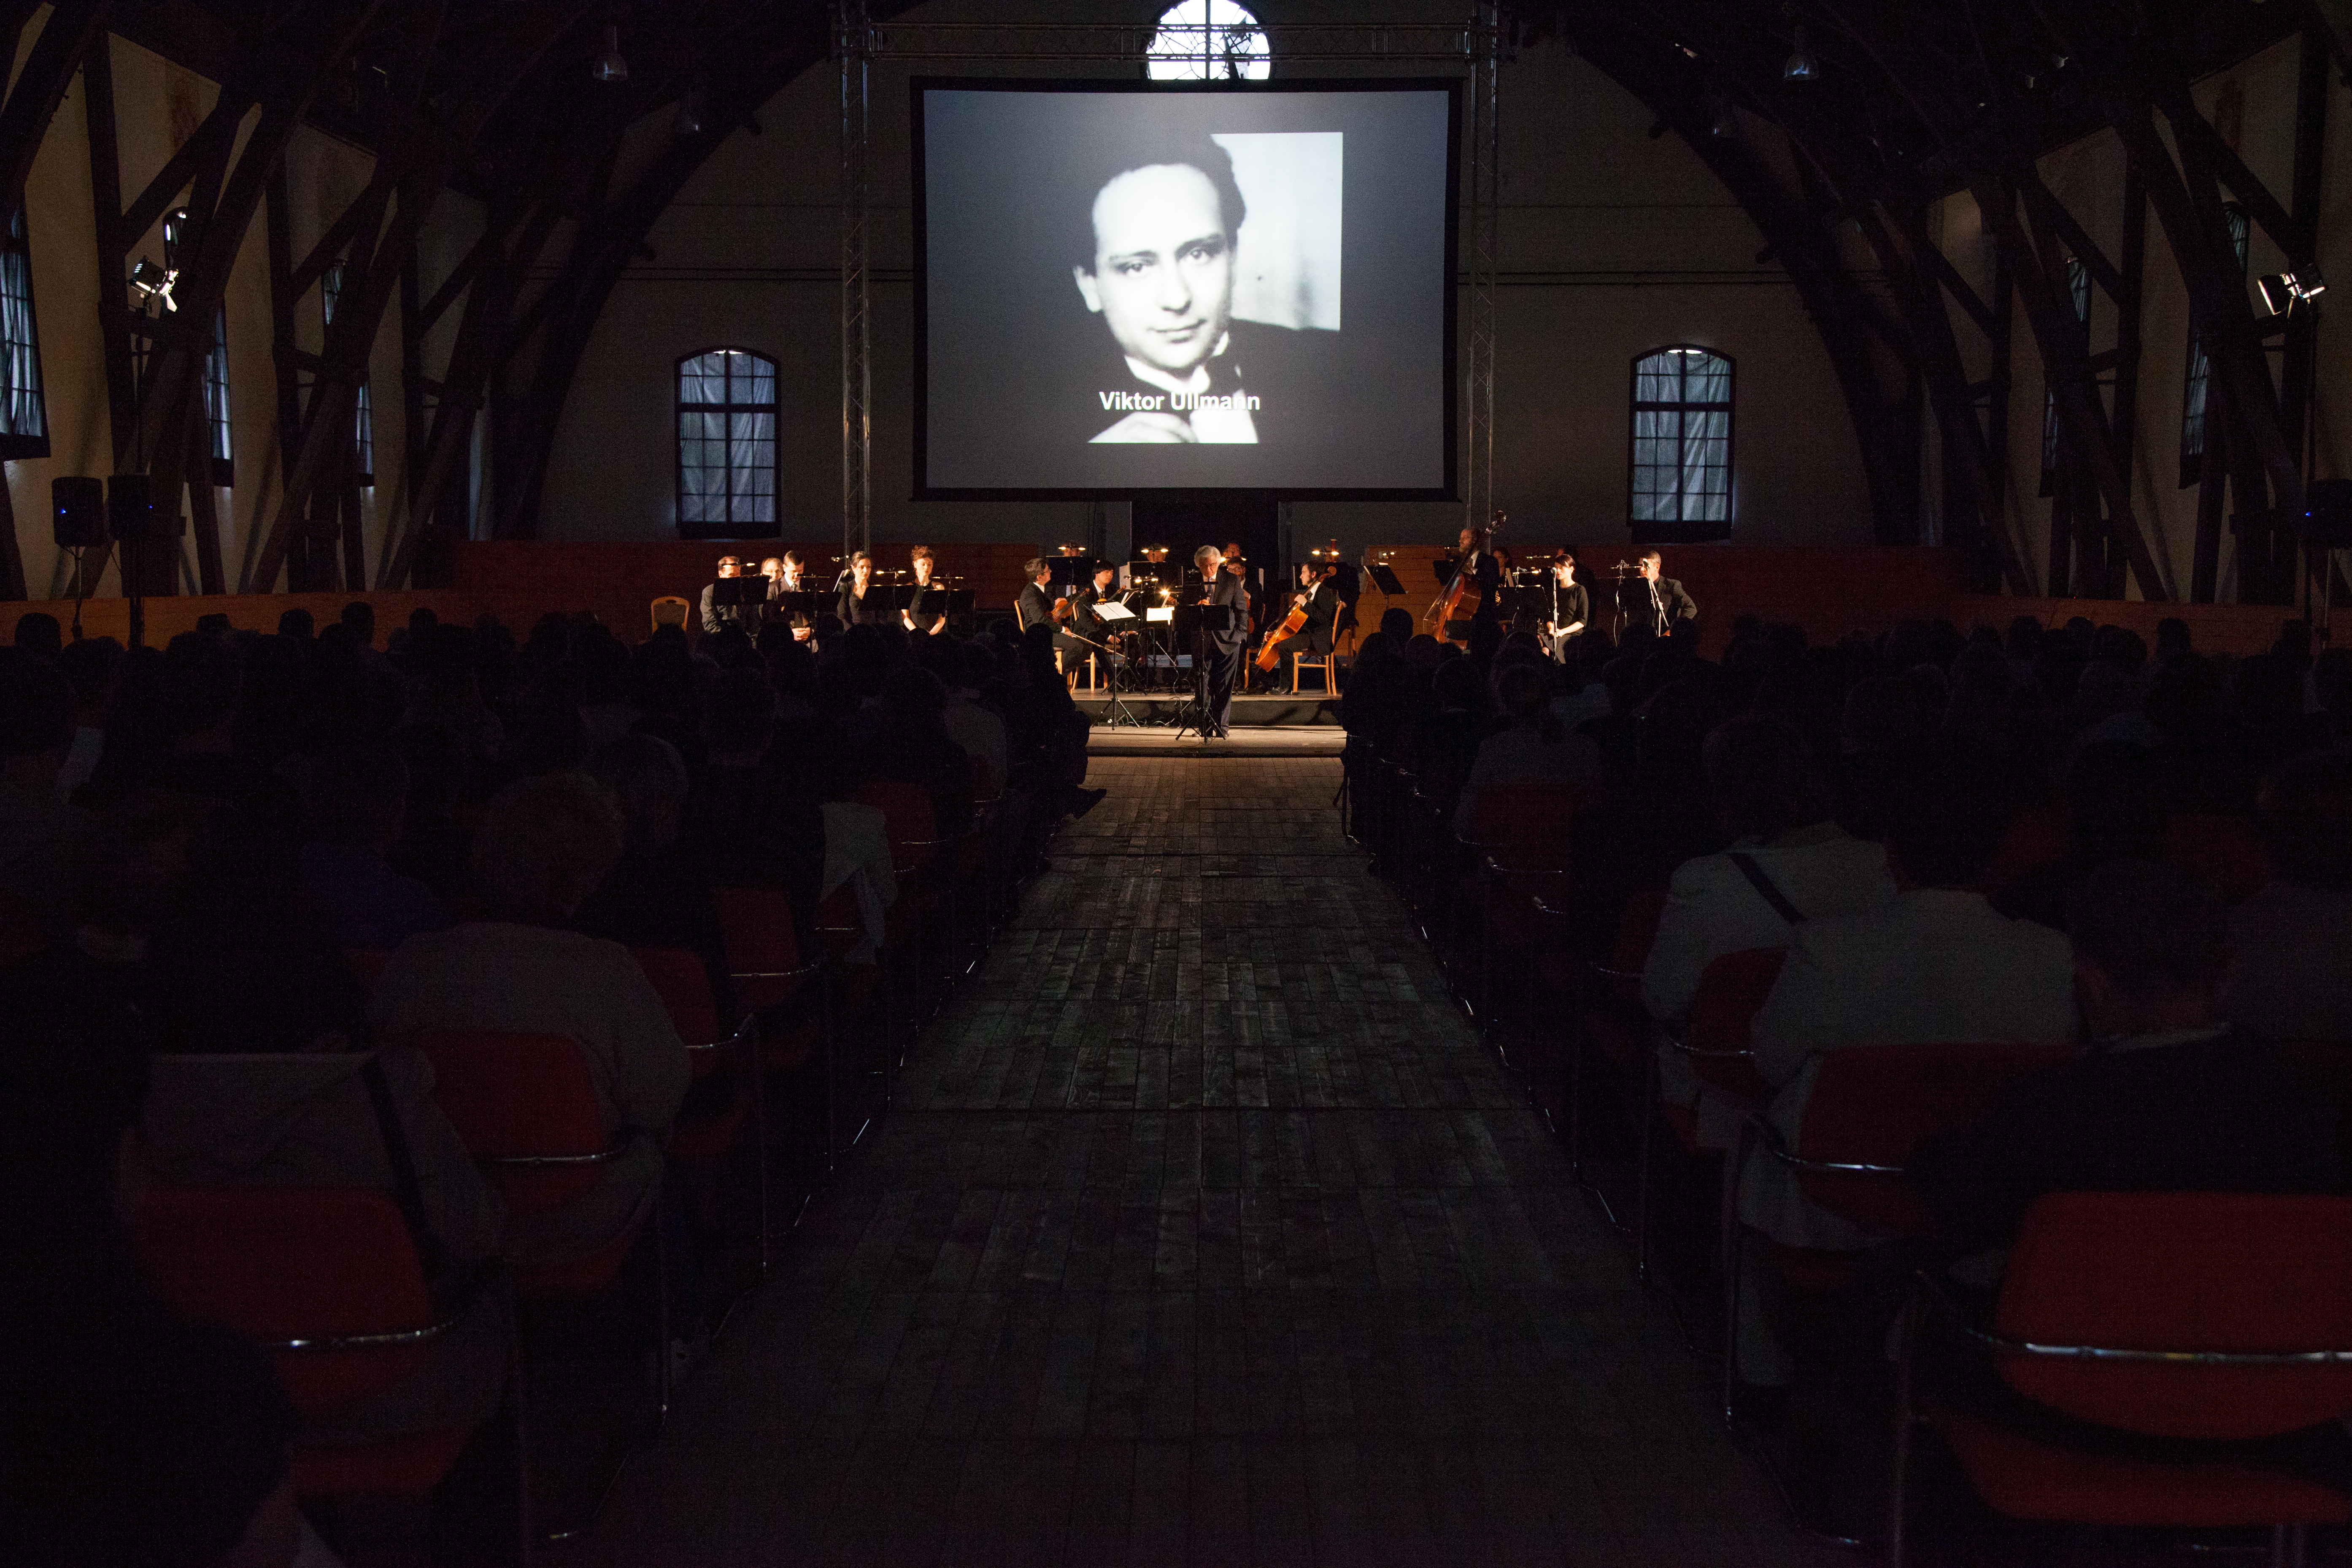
x: 1869, y: 1107
x: 326, y: 1280
x: 526, y: 1109
x: 1732, y: 989
x: 1607, y: 1007
x: 2220, y: 1316
x: 915, y: 843
x: 763, y: 957
x: 366, y: 965
x: 2226, y: 848
x: 725, y: 1095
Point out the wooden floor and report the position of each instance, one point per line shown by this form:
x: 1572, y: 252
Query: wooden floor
x: 1205, y: 1231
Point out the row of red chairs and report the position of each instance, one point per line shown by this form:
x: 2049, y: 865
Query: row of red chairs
x: 329, y: 1282
x: 2181, y: 1315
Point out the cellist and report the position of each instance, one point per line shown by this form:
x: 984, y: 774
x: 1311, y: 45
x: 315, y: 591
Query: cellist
x: 1474, y: 561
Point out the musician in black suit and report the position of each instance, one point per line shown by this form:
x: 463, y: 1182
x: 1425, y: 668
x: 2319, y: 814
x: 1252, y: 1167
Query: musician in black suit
x: 1321, y: 585
x: 1473, y: 559
x: 1035, y: 604
x: 1658, y: 601
x: 1224, y: 648
x: 1103, y: 590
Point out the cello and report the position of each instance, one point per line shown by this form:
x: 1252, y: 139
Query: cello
x: 1269, y: 653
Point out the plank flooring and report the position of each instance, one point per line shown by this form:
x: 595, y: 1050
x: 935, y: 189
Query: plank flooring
x: 1203, y: 1231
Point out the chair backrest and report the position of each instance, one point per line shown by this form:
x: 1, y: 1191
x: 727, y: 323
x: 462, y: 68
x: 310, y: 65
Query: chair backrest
x: 668, y: 610
x: 1525, y: 821
x: 1637, y: 929
x: 1871, y: 1105
x: 684, y: 986
x: 2035, y: 837
x: 521, y: 1098
x: 366, y: 965
x: 281, y: 1264
x: 1731, y: 992
x: 2241, y: 1273
x: 2226, y: 848
x: 763, y: 950
x: 907, y: 817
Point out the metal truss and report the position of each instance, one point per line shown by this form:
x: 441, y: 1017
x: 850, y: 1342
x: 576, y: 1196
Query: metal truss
x: 855, y: 51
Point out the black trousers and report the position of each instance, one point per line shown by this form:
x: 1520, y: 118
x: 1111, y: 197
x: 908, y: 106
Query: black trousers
x: 1224, y: 667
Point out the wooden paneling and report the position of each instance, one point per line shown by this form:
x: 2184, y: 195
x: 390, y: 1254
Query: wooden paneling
x: 2213, y: 629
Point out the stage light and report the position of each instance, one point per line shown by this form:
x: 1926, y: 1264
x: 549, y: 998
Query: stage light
x: 151, y: 282
x: 1801, y: 65
x: 2283, y: 291
x: 610, y: 67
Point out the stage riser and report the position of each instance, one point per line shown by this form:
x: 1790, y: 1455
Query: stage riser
x: 1305, y: 711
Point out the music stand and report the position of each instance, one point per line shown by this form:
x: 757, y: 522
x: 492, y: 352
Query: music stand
x: 1194, y: 717
x: 1384, y: 577
x: 1117, y: 715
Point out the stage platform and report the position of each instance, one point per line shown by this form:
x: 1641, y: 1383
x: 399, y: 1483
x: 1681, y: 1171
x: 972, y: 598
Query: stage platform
x: 1308, y: 710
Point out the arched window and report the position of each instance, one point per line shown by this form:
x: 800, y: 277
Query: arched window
x: 1682, y: 445
x: 1207, y: 40
x: 23, y: 416
x: 726, y: 444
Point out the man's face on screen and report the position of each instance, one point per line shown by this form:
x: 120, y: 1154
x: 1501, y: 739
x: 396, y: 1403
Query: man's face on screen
x: 1163, y: 273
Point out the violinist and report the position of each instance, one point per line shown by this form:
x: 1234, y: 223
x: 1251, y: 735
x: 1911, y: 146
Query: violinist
x: 1035, y: 606
x: 1102, y: 591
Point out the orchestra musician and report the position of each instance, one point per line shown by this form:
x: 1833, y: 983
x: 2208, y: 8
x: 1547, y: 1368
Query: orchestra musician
x: 1473, y: 559
x: 1660, y: 602
x: 925, y: 611
x: 1321, y: 582
x: 717, y: 617
x: 856, y: 606
x: 1223, y: 649
x: 1567, y: 607
x: 1104, y: 589
x: 788, y: 579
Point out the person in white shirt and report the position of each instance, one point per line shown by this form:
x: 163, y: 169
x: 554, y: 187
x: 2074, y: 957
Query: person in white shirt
x: 1534, y: 748
x: 1935, y: 965
x: 1768, y: 791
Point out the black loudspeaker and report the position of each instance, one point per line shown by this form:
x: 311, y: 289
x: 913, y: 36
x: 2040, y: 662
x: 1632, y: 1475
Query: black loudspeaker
x: 128, y: 509
x: 2327, y: 514
x: 77, y: 513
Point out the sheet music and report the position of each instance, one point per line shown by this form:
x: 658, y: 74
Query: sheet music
x: 1110, y: 610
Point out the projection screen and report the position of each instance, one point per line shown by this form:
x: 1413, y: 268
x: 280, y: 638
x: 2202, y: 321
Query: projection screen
x: 1125, y: 287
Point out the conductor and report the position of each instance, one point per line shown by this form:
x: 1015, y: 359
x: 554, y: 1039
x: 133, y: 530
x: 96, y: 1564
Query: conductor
x: 1224, y: 647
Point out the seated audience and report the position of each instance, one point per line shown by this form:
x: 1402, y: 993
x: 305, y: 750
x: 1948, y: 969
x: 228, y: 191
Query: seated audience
x: 2292, y: 979
x: 1536, y: 748
x: 544, y: 845
x: 358, y: 799
x: 656, y: 896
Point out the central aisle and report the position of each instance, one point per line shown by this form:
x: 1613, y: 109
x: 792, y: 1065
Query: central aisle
x: 1204, y: 1230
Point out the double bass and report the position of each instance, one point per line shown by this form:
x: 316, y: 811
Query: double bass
x: 1462, y: 599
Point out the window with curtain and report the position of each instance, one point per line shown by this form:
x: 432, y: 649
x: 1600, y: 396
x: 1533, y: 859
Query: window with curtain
x: 726, y: 444
x: 2192, y: 402
x: 23, y: 416
x: 216, y: 401
x: 331, y: 294
x: 2078, y: 290
x: 1682, y: 445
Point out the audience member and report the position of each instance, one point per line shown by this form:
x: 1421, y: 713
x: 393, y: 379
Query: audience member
x: 2292, y: 979
x: 359, y: 803
x: 544, y: 845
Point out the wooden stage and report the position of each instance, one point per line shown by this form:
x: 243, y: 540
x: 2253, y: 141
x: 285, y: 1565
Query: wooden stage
x: 1829, y: 592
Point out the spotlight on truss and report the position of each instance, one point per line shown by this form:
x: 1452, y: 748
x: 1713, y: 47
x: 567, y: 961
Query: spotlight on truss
x: 151, y: 282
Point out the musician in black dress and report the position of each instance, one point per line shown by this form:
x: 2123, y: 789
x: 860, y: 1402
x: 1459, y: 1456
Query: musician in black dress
x: 927, y: 607
x: 1567, y: 608
x: 858, y: 606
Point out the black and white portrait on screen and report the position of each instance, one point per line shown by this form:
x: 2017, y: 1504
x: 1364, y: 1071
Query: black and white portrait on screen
x: 1133, y: 289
